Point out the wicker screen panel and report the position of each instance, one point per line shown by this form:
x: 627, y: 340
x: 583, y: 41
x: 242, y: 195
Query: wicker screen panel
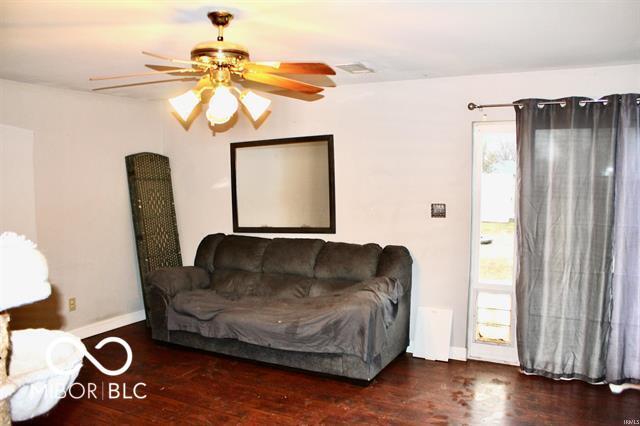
x: 153, y: 210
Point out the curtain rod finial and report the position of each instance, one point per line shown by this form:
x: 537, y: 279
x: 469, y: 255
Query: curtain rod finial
x: 471, y: 106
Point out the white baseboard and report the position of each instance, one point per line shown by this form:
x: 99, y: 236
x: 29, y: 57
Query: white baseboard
x: 455, y: 352
x: 458, y: 353
x: 108, y: 324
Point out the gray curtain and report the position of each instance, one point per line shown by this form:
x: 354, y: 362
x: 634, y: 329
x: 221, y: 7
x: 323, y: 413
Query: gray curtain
x: 623, y: 360
x: 566, y: 165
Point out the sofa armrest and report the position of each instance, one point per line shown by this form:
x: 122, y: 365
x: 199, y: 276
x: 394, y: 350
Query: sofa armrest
x: 162, y: 285
x: 171, y: 281
x: 395, y: 262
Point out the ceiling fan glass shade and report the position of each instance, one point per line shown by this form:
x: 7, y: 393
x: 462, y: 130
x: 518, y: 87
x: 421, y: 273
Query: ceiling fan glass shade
x: 222, y: 106
x: 256, y: 105
x: 184, y: 104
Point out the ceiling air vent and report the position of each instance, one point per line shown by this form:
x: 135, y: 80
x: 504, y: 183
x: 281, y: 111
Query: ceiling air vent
x: 355, y: 68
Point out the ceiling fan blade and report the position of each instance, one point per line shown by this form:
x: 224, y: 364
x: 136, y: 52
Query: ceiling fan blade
x: 119, y: 86
x: 285, y: 83
x: 169, y: 69
x: 174, y: 60
x: 162, y: 67
x: 178, y: 71
x: 290, y: 67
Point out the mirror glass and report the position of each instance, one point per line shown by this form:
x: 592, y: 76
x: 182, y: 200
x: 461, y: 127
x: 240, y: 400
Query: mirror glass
x: 283, y: 185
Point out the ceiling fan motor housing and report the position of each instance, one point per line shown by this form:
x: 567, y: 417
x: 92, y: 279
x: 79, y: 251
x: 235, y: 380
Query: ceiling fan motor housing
x: 219, y: 52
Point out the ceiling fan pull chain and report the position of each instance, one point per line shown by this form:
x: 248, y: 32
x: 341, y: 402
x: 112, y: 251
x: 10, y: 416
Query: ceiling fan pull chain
x: 220, y: 33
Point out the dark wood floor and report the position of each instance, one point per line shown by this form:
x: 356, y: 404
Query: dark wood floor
x: 193, y: 387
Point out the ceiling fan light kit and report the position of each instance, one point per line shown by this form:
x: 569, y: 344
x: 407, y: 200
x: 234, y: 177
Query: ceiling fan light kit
x: 222, y: 105
x: 255, y: 105
x: 184, y: 104
x: 218, y: 64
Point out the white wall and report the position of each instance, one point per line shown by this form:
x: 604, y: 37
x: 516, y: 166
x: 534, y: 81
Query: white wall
x: 82, y: 211
x: 399, y: 146
x: 17, y: 190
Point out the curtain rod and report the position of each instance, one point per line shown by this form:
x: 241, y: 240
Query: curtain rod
x: 473, y: 106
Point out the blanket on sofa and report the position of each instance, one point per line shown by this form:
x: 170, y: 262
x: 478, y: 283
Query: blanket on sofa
x: 353, y: 321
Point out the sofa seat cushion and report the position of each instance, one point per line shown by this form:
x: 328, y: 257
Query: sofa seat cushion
x: 284, y: 286
x: 240, y: 252
x: 292, y: 256
x: 353, y: 322
x: 325, y: 287
x: 347, y: 261
x: 235, y: 284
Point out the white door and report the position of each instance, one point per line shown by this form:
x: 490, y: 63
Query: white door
x: 492, y: 316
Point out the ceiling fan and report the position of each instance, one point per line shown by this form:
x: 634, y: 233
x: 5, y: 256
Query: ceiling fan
x: 215, y: 65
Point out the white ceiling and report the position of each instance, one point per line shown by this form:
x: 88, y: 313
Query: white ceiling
x: 62, y: 43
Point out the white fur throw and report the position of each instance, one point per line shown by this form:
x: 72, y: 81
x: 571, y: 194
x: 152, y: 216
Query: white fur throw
x: 23, y: 272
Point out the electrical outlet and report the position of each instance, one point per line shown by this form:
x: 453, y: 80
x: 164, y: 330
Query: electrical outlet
x: 72, y: 304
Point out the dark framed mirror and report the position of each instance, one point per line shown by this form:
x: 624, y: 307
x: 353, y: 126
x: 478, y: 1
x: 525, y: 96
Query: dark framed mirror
x: 283, y: 185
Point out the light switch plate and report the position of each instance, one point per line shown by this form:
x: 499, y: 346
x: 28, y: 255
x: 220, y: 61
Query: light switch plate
x: 438, y: 210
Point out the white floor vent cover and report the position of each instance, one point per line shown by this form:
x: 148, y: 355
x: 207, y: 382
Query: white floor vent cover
x: 433, y: 334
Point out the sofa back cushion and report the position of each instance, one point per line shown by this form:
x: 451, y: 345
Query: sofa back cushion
x: 295, y: 256
x: 206, y: 251
x: 242, y: 266
x: 240, y: 252
x: 342, y: 261
x: 235, y: 284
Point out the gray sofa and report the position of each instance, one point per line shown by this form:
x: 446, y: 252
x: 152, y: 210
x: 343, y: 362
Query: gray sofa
x: 335, y: 308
